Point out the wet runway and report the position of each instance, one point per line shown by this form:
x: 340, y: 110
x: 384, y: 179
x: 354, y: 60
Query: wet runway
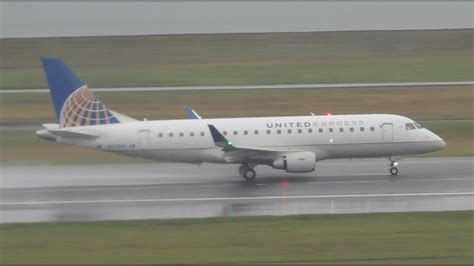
x: 140, y: 191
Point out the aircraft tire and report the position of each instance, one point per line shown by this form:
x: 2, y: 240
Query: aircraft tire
x: 393, y: 170
x: 249, y: 174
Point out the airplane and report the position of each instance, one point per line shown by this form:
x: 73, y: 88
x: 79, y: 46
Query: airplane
x: 290, y: 143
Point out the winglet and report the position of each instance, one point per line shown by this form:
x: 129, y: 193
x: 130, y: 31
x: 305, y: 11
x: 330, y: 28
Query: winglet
x: 191, y: 113
x: 219, y: 139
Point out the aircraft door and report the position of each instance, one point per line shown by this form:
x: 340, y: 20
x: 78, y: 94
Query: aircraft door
x: 144, y: 139
x: 387, y: 131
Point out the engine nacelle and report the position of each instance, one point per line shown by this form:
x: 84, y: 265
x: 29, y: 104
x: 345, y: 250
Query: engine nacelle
x: 296, y: 162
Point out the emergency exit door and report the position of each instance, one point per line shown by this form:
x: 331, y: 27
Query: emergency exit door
x: 144, y: 139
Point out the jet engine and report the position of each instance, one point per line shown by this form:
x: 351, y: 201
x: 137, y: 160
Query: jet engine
x: 296, y: 162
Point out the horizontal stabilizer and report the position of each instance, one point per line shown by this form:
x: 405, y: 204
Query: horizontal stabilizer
x: 51, y: 126
x: 81, y: 134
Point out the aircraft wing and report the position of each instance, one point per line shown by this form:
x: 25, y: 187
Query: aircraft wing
x: 236, y: 154
x: 191, y: 113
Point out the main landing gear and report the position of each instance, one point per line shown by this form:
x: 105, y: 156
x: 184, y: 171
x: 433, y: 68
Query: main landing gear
x: 393, y: 168
x: 247, y: 172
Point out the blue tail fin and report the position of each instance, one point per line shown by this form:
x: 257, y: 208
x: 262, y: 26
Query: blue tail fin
x: 74, y: 103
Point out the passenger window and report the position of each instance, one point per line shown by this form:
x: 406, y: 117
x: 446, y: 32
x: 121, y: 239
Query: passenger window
x: 372, y: 128
x: 160, y: 135
x: 418, y: 125
x: 362, y: 129
x: 300, y: 130
x: 289, y: 131
x: 341, y: 129
x: 191, y: 134
x: 269, y: 131
x: 181, y: 134
x: 279, y: 131
x: 351, y: 129
x: 331, y: 130
x: 202, y: 134
x: 235, y: 133
x: 256, y: 132
x: 310, y: 130
x: 224, y: 132
x: 320, y: 130
x: 171, y: 135
x: 409, y: 126
x: 246, y: 132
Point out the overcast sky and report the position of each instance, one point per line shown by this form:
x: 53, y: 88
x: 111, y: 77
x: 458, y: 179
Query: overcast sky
x: 106, y: 18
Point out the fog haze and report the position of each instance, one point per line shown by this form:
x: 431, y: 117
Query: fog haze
x: 41, y: 19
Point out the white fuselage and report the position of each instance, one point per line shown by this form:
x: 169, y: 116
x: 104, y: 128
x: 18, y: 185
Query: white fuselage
x: 190, y: 141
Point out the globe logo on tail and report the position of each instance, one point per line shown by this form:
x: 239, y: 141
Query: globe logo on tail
x: 83, y: 108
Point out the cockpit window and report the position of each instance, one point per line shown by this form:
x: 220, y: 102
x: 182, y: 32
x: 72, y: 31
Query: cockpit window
x: 409, y: 126
x: 418, y: 125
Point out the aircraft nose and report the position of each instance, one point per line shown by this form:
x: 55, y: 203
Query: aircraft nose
x: 438, y: 143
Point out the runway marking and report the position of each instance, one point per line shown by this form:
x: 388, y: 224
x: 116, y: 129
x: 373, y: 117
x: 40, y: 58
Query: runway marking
x: 379, y: 85
x: 393, y: 180
x: 240, y: 198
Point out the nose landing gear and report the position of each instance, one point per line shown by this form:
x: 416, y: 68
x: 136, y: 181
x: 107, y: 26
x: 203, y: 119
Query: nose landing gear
x: 393, y: 168
x: 247, y: 172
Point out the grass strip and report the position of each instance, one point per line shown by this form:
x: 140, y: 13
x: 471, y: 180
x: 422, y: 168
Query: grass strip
x: 433, y: 237
x: 239, y: 59
x: 432, y: 103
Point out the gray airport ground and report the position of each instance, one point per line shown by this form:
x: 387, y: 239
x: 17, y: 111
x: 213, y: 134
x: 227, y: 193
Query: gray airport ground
x: 165, y: 190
